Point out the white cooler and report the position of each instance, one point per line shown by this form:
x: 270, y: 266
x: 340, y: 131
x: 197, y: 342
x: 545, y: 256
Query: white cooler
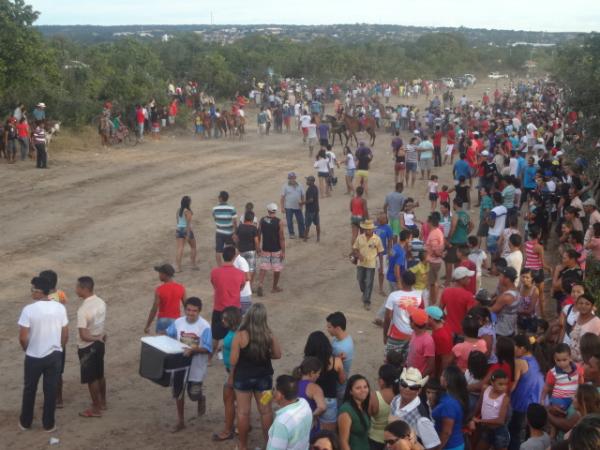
x: 161, y: 357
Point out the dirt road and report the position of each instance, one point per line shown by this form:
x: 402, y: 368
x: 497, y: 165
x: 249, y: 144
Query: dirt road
x: 111, y: 214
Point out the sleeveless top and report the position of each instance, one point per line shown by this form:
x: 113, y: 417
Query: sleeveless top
x: 461, y: 231
x: 359, y: 434
x: 524, y: 303
x: 249, y: 367
x: 357, y: 207
x: 490, y: 407
x: 532, y: 259
x: 302, y: 385
x: 328, y: 382
x: 269, y: 229
x: 380, y: 420
x: 506, y: 324
x: 181, y: 220
x: 529, y: 388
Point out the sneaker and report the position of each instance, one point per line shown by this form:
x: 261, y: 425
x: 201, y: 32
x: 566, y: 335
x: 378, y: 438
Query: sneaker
x: 22, y: 428
x: 220, y: 356
x: 51, y: 430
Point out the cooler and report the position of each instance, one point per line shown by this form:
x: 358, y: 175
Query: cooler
x: 161, y: 357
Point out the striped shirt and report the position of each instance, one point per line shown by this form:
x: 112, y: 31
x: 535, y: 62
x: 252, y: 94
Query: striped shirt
x: 532, y: 259
x: 224, y: 216
x: 291, y: 427
x: 39, y: 136
x: 565, y: 384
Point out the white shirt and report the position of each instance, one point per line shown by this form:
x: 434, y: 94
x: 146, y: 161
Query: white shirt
x: 240, y: 263
x: 194, y: 334
x: 322, y: 165
x: 397, y: 302
x: 350, y: 164
x: 477, y: 257
x: 500, y: 222
x: 312, y: 130
x: 425, y: 429
x: 305, y: 121
x: 331, y: 158
x: 513, y: 166
x: 515, y: 260
x: 91, y: 315
x: 45, y: 320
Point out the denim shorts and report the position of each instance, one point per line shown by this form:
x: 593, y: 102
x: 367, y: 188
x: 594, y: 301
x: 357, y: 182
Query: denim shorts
x: 496, y: 437
x: 180, y: 234
x: 330, y: 413
x: 259, y: 384
x: 162, y: 323
x: 350, y: 173
x: 562, y: 403
x: 411, y: 166
x: 492, y: 243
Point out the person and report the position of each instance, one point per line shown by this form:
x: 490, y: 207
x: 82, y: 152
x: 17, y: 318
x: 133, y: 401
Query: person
x: 442, y: 339
x: 407, y: 406
x: 535, y: 261
x: 342, y: 344
x: 528, y: 303
x: 353, y: 420
x: 23, y: 133
x: 252, y: 349
x: 421, y: 348
x: 350, y: 170
x: 379, y: 404
x: 272, y: 248
x: 292, y: 198
x: 398, y: 435
x: 461, y: 169
x: 463, y: 253
x: 457, y: 300
x: 507, y: 304
x: 228, y: 282
x: 393, y: 206
x: 586, y: 435
x: 537, y: 419
x: 225, y: 217
x: 460, y: 227
x: 293, y: 420
x: 307, y: 374
x: 194, y: 331
x: 311, y: 133
x: 184, y: 233
x: 471, y: 343
x: 322, y: 166
x: 434, y: 246
x: 496, y: 222
x: 39, y: 142
x: 385, y: 233
x: 241, y: 264
x: 168, y: 300
x: 425, y: 150
x: 43, y: 333
x: 587, y: 322
x: 492, y: 412
x: 91, y: 318
x: 248, y: 242
x: 359, y: 212
x: 311, y: 206
x: 324, y: 440
x: 451, y: 411
x: 364, y: 156
x: 332, y: 375
x: 399, y: 157
x: 367, y: 248
x: 432, y: 190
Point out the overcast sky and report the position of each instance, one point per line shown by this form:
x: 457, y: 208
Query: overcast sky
x: 536, y: 15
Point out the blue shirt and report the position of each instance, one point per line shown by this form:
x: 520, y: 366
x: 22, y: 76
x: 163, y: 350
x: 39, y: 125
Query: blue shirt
x: 461, y: 167
x: 521, y: 166
x: 227, y: 341
x: 397, y: 258
x: 529, y: 177
x: 384, y: 232
x: 345, y: 346
x: 449, y: 408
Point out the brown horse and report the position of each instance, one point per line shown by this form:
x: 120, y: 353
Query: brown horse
x: 337, y: 129
x: 221, y: 123
x: 353, y: 125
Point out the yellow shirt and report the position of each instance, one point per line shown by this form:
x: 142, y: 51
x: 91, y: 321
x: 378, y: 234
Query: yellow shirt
x: 420, y: 270
x: 368, y: 249
x: 58, y: 296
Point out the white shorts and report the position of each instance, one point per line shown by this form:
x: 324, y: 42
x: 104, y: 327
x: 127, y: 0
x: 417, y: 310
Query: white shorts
x: 449, y: 149
x: 385, y: 263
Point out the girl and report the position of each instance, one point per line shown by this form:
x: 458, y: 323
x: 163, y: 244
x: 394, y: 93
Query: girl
x: 444, y: 195
x: 534, y: 261
x: 231, y: 320
x: 359, y: 212
x: 472, y: 342
x: 399, y: 436
x: 408, y: 219
x: 322, y: 166
x: 487, y: 331
x: 492, y: 410
x: 379, y: 404
x: 432, y: 189
x: 477, y: 369
x: 449, y: 414
x: 353, y: 421
x: 587, y: 322
x: 400, y: 163
x: 350, y: 169
x: 528, y: 294
x: 307, y: 373
x: 568, y: 314
x: 184, y: 232
x: 332, y: 373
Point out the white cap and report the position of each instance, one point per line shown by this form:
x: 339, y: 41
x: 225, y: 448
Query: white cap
x: 272, y: 207
x: 485, y: 153
x: 462, y: 272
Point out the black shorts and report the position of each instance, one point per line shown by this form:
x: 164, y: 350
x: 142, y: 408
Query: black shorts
x: 220, y: 241
x: 433, y: 197
x: 217, y: 328
x: 324, y: 142
x: 538, y: 276
x: 91, y: 361
x: 310, y: 218
x: 451, y: 255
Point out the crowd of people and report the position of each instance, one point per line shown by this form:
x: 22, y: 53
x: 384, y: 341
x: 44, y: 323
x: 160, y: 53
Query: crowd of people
x: 472, y: 355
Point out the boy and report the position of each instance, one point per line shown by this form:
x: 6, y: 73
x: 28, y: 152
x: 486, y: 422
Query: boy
x: 478, y: 257
x: 194, y: 331
x: 343, y: 345
x: 464, y: 261
x: 416, y: 245
x: 537, y: 417
x: 515, y: 257
x: 421, y: 271
x: 385, y: 233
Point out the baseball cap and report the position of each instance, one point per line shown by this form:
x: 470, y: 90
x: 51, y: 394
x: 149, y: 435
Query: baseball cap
x: 291, y: 175
x: 462, y: 272
x: 417, y: 315
x: 167, y: 269
x: 485, y: 153
x: 310, y: 178
x: 434, y: 312
x: 508, y: 272
x: 483, y: 297
x: 272, y: 207
x: 590, y: 202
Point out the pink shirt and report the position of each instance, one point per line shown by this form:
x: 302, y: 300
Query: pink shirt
x: 435, y: 245
x: 420, y: 348
x: 464, y: 349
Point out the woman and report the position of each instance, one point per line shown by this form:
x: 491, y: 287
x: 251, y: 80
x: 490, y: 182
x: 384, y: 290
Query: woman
x: 325, y: 440
x: 451, y: 411
x: 252, y: 349
x: 399, y: 163
x: 460, y: 227
x: 359, y: 211
x: 322, y: 166
x: 586, y: 401
x: 350, y: 170
x: 319, y: 346
x: 353, y: 421
x: 184, y: 232
x: 587, y: 322
x: 379, y: 404
x: 307, y: 374
x: 398, y: 436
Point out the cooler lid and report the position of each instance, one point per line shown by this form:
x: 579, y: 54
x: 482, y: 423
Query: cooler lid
x: 165, y: 344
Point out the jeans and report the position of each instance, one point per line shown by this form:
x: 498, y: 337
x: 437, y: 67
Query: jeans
x: 24, y: 147
x: 289, y: 217
x: 42, y: 157
x: 365, y: 278
x: 437, y: 156
x: 515, y: 428
x: 48, y: 366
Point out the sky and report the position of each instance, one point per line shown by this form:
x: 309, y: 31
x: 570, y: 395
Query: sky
x: 534, y: 15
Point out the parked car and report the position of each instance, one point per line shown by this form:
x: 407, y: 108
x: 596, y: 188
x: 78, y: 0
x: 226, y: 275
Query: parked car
x: 448, y: 82
x: 497, y: 75
x: 471, y: 79
x: 460, y: 82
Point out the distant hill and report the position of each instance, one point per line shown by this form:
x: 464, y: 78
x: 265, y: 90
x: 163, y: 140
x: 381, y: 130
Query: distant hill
x: 345, y: 33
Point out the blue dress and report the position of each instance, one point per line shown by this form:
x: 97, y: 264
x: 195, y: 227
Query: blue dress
x: 529, y: 388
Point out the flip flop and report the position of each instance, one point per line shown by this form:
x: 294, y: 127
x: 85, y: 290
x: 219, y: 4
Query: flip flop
x: 216, y: 437
x: 88, y: 413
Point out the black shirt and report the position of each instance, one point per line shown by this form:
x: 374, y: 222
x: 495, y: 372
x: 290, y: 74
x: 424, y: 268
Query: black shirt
x: 312, y: 199
x: 246, y: 234
x: 269, y: 231
x: 364, y: 156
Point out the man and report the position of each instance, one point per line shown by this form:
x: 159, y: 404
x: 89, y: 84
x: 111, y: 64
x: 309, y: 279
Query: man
x: 396, y: 323
x: 140, y: 118
x: 91, y: 317
x: 457, y: 300
x: 292, y: 199
x: 246, y: 293
x: 39, y: 113
x: 364, y: 156
x: 293, y: 420
x: 437, y: 146
x: 247, y: 241
x: 425, y: 150
x: 385, y: 233
x: 43, y: 333
x: 408, y: 407
x: 394, y: 202
x: 497, y: 223
x: 312, y: 208
x: 272, y: 248
x: 225, y: 217
x: 168, y: 300
x: 442, y: 339
x: 366, y: 249
x: 193, y: 331
x: 421, y: 348
x: 343, y: 345
x: 39, y: 142
x: 228, y: 282
x: 434, y: 248
x: 461, y: 168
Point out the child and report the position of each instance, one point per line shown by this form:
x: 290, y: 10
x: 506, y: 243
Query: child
x: 432, y: 189
x: 528, y: 294
x: 462, y: 191
x: 464, y: 261
x: 537, y: 418
x: 562, y: 379
x: 515, y: 258
x: 307, y: 374
x: 421, y: 271
x: 478, y: 257
x: 477, y: 369
x: 408, y: 220
x: 534, y: 260
x: 444, y: 195
x: 470, y: 325
x: 416, y: 244
x: 492, y: 410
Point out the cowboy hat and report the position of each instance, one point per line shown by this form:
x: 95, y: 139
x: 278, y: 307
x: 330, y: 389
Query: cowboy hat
x: 412, y: 377
x: 367, y: 225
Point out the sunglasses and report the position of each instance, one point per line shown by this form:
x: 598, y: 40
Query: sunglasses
x: 405, y: 385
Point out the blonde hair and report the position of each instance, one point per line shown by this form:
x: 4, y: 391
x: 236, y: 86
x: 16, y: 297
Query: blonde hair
x: 259, y: 333
x: 588, y: 399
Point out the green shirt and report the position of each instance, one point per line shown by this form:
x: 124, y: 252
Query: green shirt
x: 459, y: 237
x: 486, y: 203
x: 359, y: 434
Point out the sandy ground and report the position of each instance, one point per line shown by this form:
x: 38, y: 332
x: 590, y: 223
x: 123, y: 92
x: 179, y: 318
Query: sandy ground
x: 110, y: 214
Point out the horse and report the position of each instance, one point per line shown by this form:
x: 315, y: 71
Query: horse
x: 221, y: 123
x: 353, y: 125
x: 337, y: 128
x: 240, y: 123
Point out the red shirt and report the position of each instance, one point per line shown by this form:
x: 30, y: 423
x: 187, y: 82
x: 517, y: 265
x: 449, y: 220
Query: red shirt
x: 457, y: 302
x: 139, y: 114
x: 451, y: 137
x: 444, y: 196
x: 170, y: 297
x: 23, y: 129
x: 227, y: 282
x: 442, y: 337
x: 473, y: 280
x: 437, y: 139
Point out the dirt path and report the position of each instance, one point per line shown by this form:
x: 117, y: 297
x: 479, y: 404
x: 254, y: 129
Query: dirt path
x: 110, y: 214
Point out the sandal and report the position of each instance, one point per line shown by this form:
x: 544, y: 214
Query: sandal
x: 88, y: 413
x: 218, y: 437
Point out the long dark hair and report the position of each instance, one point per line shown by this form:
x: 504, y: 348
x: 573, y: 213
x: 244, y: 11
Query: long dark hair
x: 185, y: 204
x: 365, y: 403
x: 389, y: 375
x: 319, y: 346
x: 505, y: 352
x: 456, y: 386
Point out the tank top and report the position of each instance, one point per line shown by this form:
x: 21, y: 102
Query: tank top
x: 490, y: 407
x: 357, y: 207
x: 328, y: 382
x: 506, y: 324
x: 461, y: 231
x: 532, y: 259
x: 249, y: 367
x: 380, y: 420
x: 269, y: 229
x: 524, y: 303
x: 529, y: 387
x: 181, y: 220
x: 302, y: 385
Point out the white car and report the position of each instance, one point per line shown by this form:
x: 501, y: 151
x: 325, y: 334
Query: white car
x: 448, y: 82
x: 471, y: 79
x: 497, y: 75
